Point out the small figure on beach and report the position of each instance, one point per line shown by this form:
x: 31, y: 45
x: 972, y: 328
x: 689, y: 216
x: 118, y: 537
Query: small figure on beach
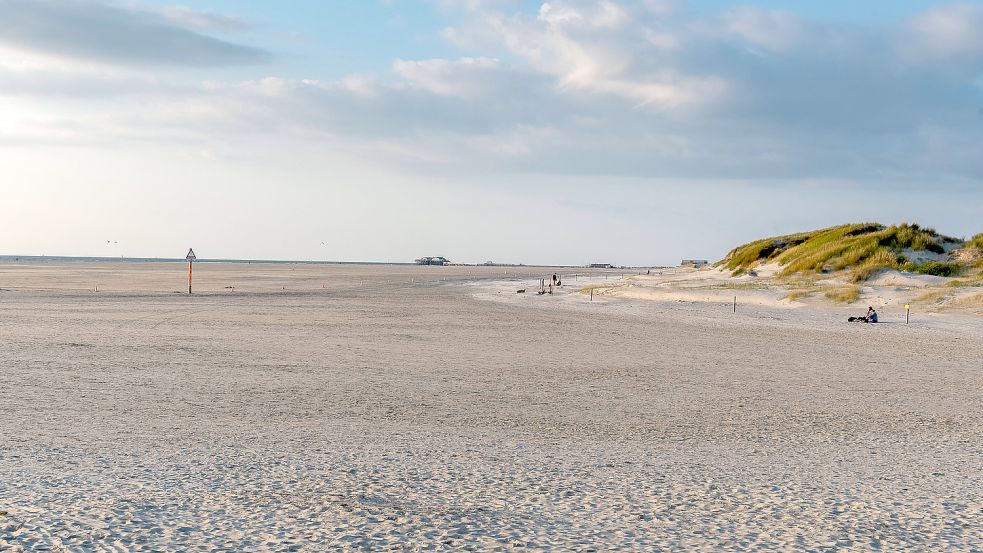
x: 555, y: 278
x: 870, y: 317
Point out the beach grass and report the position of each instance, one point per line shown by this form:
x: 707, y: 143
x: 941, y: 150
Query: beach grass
x: 863, y: 249
x: 798, y: 294
x: 974, y: 280
x: 968, y: 302
x: 938, y: 268
x: 933, y: 296
x: 598, y: 288
x: 843, y: 294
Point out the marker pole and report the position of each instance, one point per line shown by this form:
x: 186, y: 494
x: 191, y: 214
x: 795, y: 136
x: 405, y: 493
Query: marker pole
x: 189, y: 276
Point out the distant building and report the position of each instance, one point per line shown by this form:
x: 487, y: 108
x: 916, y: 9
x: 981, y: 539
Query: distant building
x: 433, y: 261
x: 601, y: 266
x: 697, y: 263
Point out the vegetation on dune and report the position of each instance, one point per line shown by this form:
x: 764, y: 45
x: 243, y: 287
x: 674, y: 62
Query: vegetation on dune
x: 748, y: 255
x: 975, y: 242
x: 862, y: 249
x: 933, y: 296
x: 973, y: 301
x: 799, y: 294
x: 939, y: 269
x: 975, y: 281
x: 846, y: 294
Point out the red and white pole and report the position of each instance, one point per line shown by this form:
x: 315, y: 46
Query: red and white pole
x: 191, y: 260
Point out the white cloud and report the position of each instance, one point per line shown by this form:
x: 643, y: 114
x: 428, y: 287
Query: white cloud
x: 563, y: 13
x: 946, y: 32
x: 575, y: 87
x: 774, y: 30
x: 361, y: 85
x: 203, y: 21
x: 598, y: 48
x: 113, y: 34
x: 667, y: 91
x: 466, y: 77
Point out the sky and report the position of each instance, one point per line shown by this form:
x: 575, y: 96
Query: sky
x: 562, y: 132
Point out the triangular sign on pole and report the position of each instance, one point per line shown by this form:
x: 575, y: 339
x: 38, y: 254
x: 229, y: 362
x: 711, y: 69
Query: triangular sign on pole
x: 191, y: 255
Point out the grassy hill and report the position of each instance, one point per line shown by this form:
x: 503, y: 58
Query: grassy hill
x: 861, y: 250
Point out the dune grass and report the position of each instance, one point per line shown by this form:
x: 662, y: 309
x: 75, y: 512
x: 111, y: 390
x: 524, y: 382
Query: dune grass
x: 973, y: 301
x: 939, y: 269
x: 969, y: 281
x: 598, y: 288
x: 844, y: 294
x: 933, y: 296
x: 863, y: 249
x: 975, y: 242
x: 798, y: 294
x: 747, y: 256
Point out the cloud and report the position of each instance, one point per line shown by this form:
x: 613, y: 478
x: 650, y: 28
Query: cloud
x: 203, y: 21
x: 28, y: 74
x: 610, y: 88
x: 605, y: 15
x: 119, y: 35
x: 946, y: 32
x: 466, y: 77
x: 774, y: 30
x: 597, y: 47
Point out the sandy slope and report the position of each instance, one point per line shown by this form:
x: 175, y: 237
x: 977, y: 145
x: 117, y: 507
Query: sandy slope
x: 418, y: 408
x: 887, y: 291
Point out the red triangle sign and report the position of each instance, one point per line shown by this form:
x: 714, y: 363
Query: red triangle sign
x: 191, y: 255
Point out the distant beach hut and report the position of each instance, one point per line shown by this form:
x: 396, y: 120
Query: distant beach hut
x: 696, y: 263
x: 433, y: 260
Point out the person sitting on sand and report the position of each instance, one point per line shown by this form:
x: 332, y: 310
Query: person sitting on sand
x: 871, y: 315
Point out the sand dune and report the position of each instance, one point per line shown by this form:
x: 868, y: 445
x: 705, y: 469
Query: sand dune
x: 888, y: 290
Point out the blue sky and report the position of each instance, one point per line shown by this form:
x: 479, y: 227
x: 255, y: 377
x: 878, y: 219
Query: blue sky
x: 318, y: 37
x: 636, y: 132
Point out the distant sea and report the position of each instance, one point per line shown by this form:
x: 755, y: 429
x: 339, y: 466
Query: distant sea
x: 59, y: 259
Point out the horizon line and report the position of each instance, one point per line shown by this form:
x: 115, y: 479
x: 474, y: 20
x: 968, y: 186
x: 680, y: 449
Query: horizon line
x: 124, y: 259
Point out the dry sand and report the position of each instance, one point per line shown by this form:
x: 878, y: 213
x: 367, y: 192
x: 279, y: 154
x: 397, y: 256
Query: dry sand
x: 420, y: 408
x: 887, y: 291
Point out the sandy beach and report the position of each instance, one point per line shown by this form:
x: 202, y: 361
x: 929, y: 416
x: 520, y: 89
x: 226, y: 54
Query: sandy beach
x: 404, y: 408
